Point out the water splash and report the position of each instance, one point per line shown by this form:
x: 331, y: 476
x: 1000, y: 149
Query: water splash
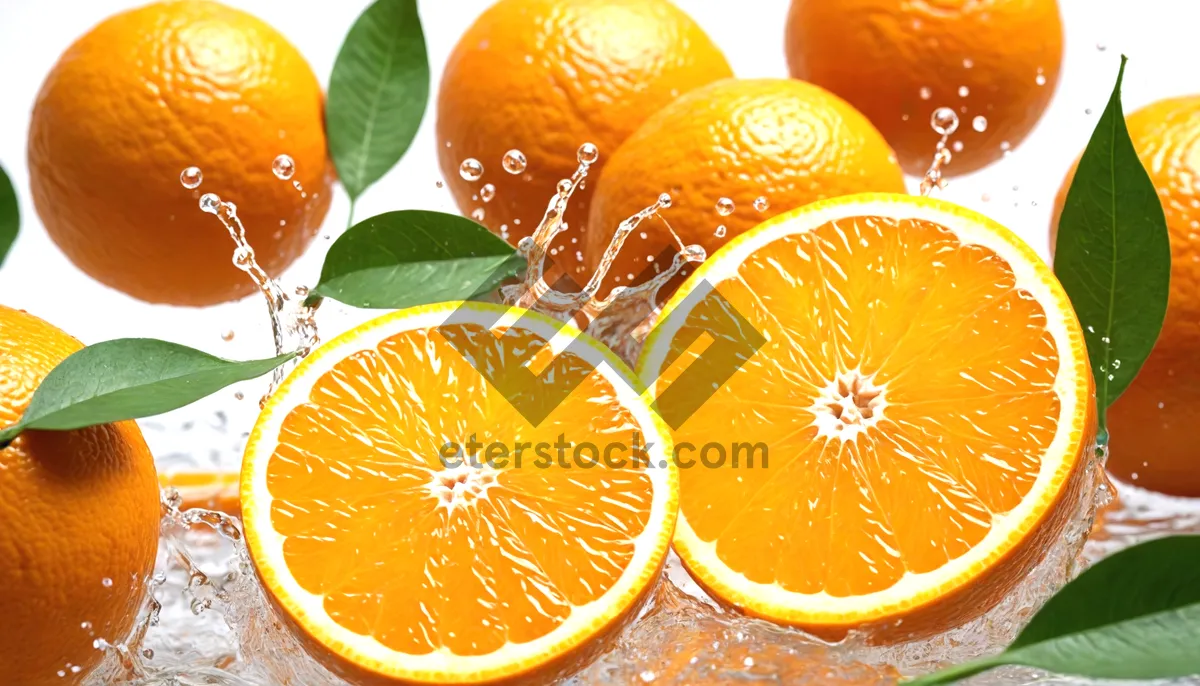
x: 293, y: 326
x: 626, y: 308
x: 208, y: 621
x: 944, y: 122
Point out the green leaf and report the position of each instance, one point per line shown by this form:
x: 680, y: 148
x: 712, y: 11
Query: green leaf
x: 414, y: 257
x: 1135, y: 615
x: 10, y: 215
x: 129, y: 378
x: 1113, y: 254
x: 377, y: 93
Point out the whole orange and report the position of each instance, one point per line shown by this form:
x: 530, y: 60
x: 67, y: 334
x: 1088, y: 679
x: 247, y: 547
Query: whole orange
x: 784, y: 141
x: 81, y: 518
x: 150, y: 92
x: 1155, y: 424
x: 995, y: 62
x: 544, y: 77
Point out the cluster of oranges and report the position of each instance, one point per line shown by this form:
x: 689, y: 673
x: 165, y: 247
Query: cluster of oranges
x: 151, y: 91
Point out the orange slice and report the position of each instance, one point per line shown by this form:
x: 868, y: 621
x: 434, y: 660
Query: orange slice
x: 209, y: 490
x: 398, y: 564
x: 926, y: 405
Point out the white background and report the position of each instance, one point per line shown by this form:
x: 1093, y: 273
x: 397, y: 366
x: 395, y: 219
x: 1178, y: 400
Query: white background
x: 1158, y: 35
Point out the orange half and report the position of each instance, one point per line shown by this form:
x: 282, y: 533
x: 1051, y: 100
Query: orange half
x: 396, y: 565
x: 925, y: 403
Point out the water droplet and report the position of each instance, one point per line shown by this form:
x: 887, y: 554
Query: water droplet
x: 926, y: 93
x: 86, y: 626
x: 979, y: 124
x: 761, y: 203
x: 1101, y: 47
x: 513, y: 162
x: 439, y: 184
x: 956, y: 146
x: 227, y: 336
x: 148, y: 653
x: 1005, y: 146
x: 243, y: 257
x: 725, y: 207
x: 106, y: 582
x: 1040, y: 80
x: 191, y: 177
x: 238, y: 395
x: 963, y: 91
x: 720, y: 232
x: 986, y: 197
x: 968, y: 63
x: 647, y: 676
x: 210, y: 203
x: 944, y: 121
x: 487, y: 192
x: 588, y: 153
x: 470, y: 169
x: 283, y: 167
x: 75, y: 669
x: 664, y: 200
x: 1087, y: 110
x: 477, y: 214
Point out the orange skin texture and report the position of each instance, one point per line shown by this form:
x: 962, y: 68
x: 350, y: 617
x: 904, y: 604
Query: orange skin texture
x: 78, y: 507
x: 544, y: 77
x: 788, y: 141
x: 879, y: 54
x: 144, y: 95
x: 1157, y: 442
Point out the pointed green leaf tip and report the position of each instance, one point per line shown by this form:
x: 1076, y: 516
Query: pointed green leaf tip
x: 1113, y: 254
x: 1135, y: 615
x: 414, y: 257
x: 10, y: 215
x: 129, y: 378
x: 377, y: 93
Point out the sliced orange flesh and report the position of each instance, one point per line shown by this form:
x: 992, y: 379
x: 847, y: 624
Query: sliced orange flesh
x: 407, y: 567
x: 208, y: 490
x: 922, y: 399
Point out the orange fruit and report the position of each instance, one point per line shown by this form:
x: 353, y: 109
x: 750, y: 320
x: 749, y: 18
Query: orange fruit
x: 545, y: 76
x: 898, y: 61
x: 786, y: 141
x: 922, y: 404
x: 81, y: 517
x: 146, y: 94
x: 398, y: 565
x: 1154, y: 423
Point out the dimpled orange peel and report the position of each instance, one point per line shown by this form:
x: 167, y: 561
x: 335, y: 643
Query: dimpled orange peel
x: 995, y: 62
x: 542, y: 77
x: 148, y: 93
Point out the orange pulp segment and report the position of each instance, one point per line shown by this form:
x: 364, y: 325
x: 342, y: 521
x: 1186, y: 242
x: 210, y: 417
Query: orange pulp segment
x: 208, y: 490
x: 925, y: 405
x: 394, y: 564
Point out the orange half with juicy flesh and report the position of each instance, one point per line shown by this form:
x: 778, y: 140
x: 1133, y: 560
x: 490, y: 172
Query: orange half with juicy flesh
x: 920, y: 407
x: 400, y: 560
